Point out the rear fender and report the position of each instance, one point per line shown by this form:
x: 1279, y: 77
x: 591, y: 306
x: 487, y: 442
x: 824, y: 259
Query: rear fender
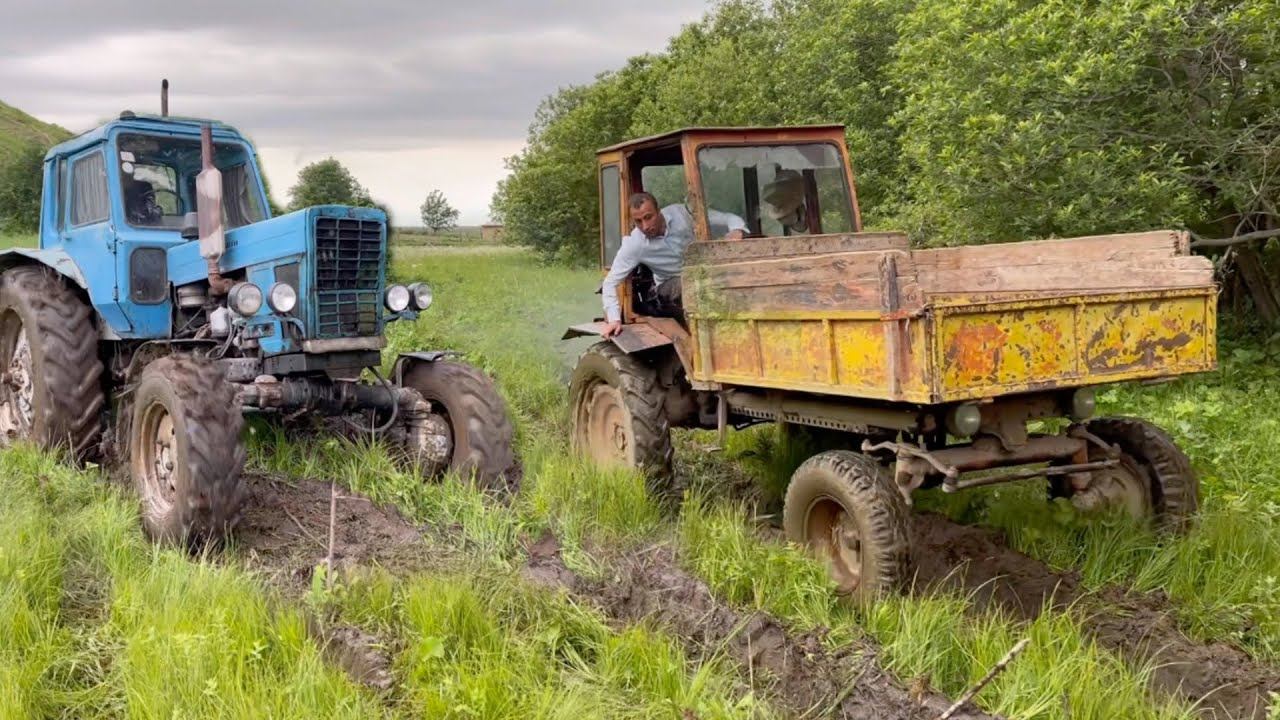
x: 57, y: 260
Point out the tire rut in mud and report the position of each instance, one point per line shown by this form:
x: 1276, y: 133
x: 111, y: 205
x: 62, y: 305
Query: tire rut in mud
x: 1141, y: 627
x: 794, y: 671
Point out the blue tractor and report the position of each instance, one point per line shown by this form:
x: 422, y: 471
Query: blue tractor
x: 165, y: 301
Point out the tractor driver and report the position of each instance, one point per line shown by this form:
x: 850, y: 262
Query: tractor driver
x: 140, y: 204
x: 657, y: 243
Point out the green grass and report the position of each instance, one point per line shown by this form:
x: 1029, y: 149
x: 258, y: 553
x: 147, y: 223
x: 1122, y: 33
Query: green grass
x: 18, y: 128
x: 150, y: 633
x: 12, y: 241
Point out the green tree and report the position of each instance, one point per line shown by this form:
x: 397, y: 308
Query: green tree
x: 21, y: 176
x: 437, y: 214
x: 328, y: 182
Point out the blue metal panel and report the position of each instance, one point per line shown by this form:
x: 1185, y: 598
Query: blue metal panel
x: 281, y: 238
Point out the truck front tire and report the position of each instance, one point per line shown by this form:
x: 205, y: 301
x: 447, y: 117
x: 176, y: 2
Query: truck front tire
x: 477, y: 415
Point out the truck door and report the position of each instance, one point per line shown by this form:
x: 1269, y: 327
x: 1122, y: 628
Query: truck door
x: 87, y: 234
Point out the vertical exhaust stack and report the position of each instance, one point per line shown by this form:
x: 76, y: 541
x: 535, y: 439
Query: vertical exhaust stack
x: 209, y: 213
x: 164, y: 98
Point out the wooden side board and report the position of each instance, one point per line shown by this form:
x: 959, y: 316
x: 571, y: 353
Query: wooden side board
x: 731, y: 251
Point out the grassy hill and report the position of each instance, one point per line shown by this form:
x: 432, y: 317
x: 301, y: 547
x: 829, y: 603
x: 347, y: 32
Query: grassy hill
x: 18, y: 128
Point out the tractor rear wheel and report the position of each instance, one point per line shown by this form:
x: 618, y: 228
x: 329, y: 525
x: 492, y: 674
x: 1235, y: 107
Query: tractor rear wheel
x: 843, y: 505
x: 185, y: 451
x: 619, y: 418
x: 50, y: 374
x: 482, y: 436
x: 1153, y: 481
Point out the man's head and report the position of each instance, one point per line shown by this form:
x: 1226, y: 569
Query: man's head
x: 646, y: 215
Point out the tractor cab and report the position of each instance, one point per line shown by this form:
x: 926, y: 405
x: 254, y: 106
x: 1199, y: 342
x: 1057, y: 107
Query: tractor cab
x: 782, y: 182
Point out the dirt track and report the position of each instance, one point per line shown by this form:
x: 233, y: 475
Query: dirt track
x: 795, y: 671
x: 284, y: 535
x: 1225, y: 681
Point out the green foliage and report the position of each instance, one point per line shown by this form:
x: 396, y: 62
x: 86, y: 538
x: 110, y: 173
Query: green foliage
x: 20, y: 188
x: 985, y: 121
x: 327, y: 182
x: 436, y: 212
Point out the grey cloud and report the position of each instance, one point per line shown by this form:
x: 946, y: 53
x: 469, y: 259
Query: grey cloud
x: 371, y: 75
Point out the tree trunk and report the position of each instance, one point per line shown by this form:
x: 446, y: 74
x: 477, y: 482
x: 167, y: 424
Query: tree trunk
x: 1265, y: 302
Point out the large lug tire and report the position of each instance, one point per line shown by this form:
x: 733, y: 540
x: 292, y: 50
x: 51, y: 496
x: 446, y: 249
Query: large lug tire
x: 50, y: 374
x: 185, y: 451
x: 483, y: 439
x: 1154, y: 479
x: 844, y: 506
x: 619, y: 416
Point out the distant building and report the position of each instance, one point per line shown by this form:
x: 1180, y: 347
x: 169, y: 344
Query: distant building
x: 491, y: 234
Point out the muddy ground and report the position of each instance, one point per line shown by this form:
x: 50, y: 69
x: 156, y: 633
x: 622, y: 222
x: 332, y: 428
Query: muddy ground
x: 1142, y: 627
x: 284, y: 536
x: 794, y: 671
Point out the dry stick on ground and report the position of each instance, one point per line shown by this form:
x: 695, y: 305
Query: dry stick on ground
x: 333, y: 520
x: 999, y: 667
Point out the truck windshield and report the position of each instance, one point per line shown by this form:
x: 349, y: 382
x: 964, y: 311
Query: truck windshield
x: 778, y: 190
x: 158, y: 181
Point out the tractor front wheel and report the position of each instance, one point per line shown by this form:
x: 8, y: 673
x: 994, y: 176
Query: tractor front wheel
x: 845, y: 508
x: 185, y: 451
x: 469, y: 402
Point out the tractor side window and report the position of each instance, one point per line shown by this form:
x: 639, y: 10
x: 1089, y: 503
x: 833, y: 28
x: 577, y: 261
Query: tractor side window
x: 666, y: 182
x: 610, y: 211
x: 779, y: 190
x: 89, y: 198
x: 240, y: 205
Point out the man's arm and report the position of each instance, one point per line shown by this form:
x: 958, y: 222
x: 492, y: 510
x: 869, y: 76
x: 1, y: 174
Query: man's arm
x: 623, y: 263
x: 737, y: 226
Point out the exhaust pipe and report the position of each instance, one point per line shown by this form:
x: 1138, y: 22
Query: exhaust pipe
x: 164, y: 98
x: 213, y: 242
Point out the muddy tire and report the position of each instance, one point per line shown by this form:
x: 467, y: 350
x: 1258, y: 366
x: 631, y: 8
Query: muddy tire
x: 185, y: 451
x: 619, y: 416
x: 1166, y: 481
x: 477, y: 415
x: 51, y: 392
x: 843, y: 505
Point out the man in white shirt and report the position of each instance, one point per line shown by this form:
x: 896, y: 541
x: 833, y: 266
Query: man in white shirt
x: 658, y: 241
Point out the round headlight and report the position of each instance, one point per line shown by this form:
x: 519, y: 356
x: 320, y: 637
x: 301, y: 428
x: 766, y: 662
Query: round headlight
x: 245, y: 298
x: 421, y: 295
x: 282, y: 297
x: 397, y: 298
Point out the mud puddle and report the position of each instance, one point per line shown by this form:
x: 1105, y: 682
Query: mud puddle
x: 797, y: 672
x: 1142, y: 627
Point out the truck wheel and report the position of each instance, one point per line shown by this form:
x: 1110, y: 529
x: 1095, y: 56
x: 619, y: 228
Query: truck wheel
x: 476, y: 413
x: 50, y: 374
x: 618, y: 415
x: 844, y: 506
x: 185, y: 451
x: 1153, y: 480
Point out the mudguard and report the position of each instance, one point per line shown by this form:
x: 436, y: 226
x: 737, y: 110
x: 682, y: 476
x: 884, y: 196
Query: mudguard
x: 56, y: 259
x: 426, y: 356
x: 634, y: 338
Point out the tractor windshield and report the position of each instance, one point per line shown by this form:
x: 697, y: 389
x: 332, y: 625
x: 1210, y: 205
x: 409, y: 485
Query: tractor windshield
x: 158, y: 181
x: 778, y: 190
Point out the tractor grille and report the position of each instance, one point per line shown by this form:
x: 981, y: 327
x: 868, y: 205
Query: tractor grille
x: 348, y: 273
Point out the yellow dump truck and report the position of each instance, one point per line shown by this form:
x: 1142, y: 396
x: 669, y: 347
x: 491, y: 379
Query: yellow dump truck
x: 924, y: 367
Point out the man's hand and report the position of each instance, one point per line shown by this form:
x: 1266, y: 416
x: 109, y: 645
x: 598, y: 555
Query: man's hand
x: 612, y: 329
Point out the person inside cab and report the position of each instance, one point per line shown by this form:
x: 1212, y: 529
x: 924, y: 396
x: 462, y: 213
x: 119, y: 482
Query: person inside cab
x: 140, y: 206
x: 656, y: 248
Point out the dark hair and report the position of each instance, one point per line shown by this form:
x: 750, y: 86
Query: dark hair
x: 638, y: 200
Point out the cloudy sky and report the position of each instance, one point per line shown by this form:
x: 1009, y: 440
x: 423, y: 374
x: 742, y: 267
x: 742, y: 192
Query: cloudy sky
x: 411, y: 96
